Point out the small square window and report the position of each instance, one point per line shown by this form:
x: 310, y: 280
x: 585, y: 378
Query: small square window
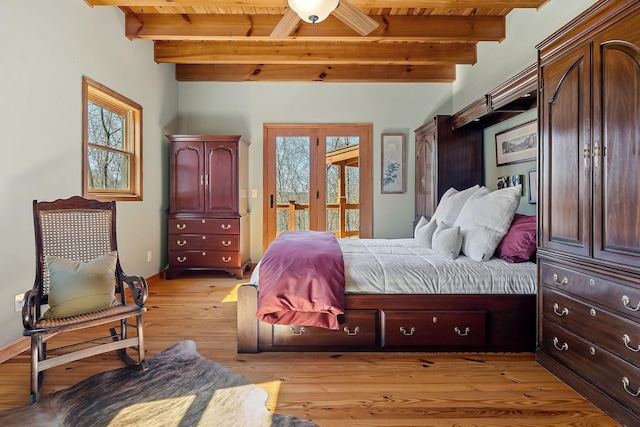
x: 112, y: 144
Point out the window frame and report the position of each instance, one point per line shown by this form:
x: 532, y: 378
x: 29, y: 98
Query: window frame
x: 101, y: 95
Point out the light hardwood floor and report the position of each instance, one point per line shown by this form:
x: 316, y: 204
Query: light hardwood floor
x: 338, y: 389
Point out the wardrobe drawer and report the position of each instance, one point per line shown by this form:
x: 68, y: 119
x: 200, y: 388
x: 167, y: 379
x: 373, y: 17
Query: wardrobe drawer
x: 204, y: 226
x: 212, y: 242
x: 433, y: 328
x: 358, y: 329
x: 607, y: 330
x: 204, y: 259
x: 602, y: 369
x: 622, y: 297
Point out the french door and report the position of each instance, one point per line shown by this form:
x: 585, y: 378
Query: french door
x: 317, y: 177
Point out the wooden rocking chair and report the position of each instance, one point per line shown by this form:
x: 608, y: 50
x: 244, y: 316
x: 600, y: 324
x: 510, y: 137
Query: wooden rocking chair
x: 76, y: 251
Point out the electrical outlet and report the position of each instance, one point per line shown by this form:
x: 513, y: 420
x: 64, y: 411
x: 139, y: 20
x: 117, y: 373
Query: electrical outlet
x: 149, y: 256
x: 18, y: 302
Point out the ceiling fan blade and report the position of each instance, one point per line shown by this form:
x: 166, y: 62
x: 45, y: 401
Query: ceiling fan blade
x: 287, y: 24
x: 362, y: 23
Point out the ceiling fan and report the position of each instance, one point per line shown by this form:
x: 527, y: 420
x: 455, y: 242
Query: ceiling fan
x: 314, y: 11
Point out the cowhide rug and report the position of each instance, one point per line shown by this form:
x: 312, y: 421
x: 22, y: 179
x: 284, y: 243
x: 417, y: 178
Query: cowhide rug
x: 180, y: 388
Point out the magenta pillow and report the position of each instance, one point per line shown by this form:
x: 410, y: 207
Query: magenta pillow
x: 519, y: 244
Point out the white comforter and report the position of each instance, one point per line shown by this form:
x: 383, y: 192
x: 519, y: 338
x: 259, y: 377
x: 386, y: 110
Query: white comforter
x: 404, y: 266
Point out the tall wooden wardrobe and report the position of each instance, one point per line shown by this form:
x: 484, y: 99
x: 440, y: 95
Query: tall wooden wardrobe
x: 589, y: 207
x: 208, y: 222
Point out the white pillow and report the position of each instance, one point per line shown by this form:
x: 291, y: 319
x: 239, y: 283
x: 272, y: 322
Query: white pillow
x: 422, y: 222
x: 424, y: 231
x: 451, y: 203
x: 485, y: 219
x: 447, y: 241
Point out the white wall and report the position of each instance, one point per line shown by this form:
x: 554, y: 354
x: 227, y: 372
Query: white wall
x: 243, y: 108
x: 46, y: 47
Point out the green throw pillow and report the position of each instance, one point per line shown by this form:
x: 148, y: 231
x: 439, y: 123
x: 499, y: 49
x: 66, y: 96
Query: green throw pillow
x: 78, y: 287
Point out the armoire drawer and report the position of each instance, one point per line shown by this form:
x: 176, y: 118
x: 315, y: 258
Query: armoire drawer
x: 210, y: 242
x: 618, y: 296
x: 358, y: 329
x: 441, y: 328
x: 602, y: 369
x: 609, y: 331
x: 204, y: 226
x: 204, y: 259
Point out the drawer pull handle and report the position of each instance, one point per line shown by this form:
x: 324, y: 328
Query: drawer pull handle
x: 626, y: 340
x: 462, y: 333
x: 226, y: 243
x: 348, y: 331
x: 184, y: 242
x: 181, y: 226
x: 564, y: 311
x: 559, y: 283
x: 226, y: 258
x: 625, y: 384
x: 225, y: 226
x: 181, y: 258
x: 625, y: 301
x: 409, y: 333
x: 294, y: 332
x: 563, y: 347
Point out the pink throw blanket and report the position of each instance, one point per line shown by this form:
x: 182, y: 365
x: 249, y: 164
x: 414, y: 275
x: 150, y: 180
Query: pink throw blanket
x: 302, y: 280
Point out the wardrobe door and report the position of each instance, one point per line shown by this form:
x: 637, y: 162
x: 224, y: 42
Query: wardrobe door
x: 565, y: 157
x: 616, y: 145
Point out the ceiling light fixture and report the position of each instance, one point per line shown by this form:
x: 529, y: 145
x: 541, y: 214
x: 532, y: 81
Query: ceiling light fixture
x: 313, y: 11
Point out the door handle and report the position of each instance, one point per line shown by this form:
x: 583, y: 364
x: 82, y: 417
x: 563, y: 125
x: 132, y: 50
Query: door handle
x: 271, y: 197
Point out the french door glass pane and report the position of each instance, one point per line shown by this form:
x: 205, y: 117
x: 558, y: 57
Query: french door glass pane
x: 293, y: 174
x: 343, y: 184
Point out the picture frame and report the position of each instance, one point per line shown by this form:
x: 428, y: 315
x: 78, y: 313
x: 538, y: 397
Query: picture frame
x: 532, y: 184
x: 511, y: 181
x: 517, y: 145
x: 393, y: 163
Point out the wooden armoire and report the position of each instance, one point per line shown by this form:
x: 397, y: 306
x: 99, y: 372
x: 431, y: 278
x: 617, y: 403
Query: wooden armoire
x: 445, y: 158
x: 589, y: 207
x: 208, y: 222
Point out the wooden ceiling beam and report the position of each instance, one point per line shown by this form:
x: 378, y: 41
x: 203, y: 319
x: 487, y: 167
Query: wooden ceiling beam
x: 392, y: 27
x: 394, y: 4
x: 316, y: 73
x: 305, y: 52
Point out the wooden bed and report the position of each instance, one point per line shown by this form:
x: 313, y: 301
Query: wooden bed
x: 438, y: 317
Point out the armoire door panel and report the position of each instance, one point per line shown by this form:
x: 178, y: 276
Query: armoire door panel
x: 617, y: 136
x: 187, y: 162
x: 221, y: 194
x: 566, y: 161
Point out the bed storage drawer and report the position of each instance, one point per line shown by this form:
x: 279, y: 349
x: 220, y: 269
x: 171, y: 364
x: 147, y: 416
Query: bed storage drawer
x: 357, y: 330
x: 434, y: 328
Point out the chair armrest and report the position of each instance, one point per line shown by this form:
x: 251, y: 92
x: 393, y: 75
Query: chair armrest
x: 29, y: 308
x: 138, y: 287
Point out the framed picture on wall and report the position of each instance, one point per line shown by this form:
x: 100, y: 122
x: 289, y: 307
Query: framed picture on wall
x: 392, y: 163
x: 518, y: 144
x: 532, y: 184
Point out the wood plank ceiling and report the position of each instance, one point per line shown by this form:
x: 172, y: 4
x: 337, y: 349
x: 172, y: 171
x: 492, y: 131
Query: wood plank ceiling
x: 228, y: 40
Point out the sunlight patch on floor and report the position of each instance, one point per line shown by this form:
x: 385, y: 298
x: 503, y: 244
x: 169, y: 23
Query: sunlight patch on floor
x: 273, y: 389
x: 232, y: 296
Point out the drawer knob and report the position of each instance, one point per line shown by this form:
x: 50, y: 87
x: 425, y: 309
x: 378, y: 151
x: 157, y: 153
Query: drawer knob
x: 625, y: 301
x: 626, y: 340
x: 562, y: 347
x: 204, y: 237
x: 461, y: 332
x: 204, y: 254
x: 226, y: 243
x: 181, y: 258
x: 625, y: 384
x: 593, y: 312
x: 181, y: 226
x: 348, y: 331
x: 184, y: 242
x: 558, y: 282
x: 556, y: 310
x: 407, y: 333
x: 592, y: 351
x: 226, y: 258
x: 294, y: 332
x: 225, y: 226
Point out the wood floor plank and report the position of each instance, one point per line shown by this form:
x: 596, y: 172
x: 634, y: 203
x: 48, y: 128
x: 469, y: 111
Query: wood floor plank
x: 337, y: 389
